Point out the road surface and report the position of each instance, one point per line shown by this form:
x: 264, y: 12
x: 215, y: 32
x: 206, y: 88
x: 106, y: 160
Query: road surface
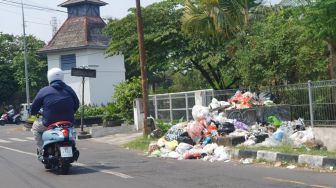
x: 103, y: 165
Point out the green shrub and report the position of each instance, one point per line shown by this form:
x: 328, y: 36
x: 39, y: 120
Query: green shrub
x: 125, y: 93
x: 111, y: 112
x: 163, y: 126
x: 90, y: 111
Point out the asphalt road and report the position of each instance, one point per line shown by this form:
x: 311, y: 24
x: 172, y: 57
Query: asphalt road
x: 104, y: 165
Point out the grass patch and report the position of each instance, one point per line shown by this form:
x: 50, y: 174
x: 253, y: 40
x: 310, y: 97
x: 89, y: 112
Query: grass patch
x: 140, y: 143
x: 291, y: 150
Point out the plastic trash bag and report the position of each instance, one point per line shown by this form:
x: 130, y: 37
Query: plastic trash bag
x: 240, y: 125
x: 183, y: 147
x: 185, y: 138
x: 171, y: 145
x: 173, y: 133
x: 195, y: 130
x: 301, y: 137
x: 215, y: 104
x: 210, y: 148
x: 152, y: 147
x: 200, y: 112
x: 273, y: 120
x: 220, y: 154
x: 266, y: 96
x: 225, y: 128
x: 269, y: 142
x: 161, y: 142
x: 207, y: 140
x: 173, y: 154
x: 192, y: 155
x: 156, y: 153
x: 278, y: 135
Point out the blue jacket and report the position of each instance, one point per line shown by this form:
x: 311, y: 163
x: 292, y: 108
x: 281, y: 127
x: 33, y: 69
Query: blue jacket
x: 59, y: 103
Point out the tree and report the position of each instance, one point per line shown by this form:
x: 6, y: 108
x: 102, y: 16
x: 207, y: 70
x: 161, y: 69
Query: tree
x: 8, y: 84
x: 320, y: 17
x: 279, y: 50
x: 9, y: 48
x: 12, y: 67
x: 211, y: 27
x: 162, y: 38
x: 37, y: 67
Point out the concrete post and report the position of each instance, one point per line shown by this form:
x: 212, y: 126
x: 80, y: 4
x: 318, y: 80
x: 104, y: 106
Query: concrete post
x: 138, y: 114
x: 311, y: 110
x: 200, y: 98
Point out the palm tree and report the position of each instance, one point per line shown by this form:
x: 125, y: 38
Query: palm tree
x: 220, y: 19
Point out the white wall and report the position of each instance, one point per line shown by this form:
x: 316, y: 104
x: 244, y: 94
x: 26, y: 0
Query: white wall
x: 110, y: 72
x: 99, y: 90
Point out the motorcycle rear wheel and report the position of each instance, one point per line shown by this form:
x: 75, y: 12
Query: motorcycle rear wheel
x: 64, y: 168
x: 2, y: 122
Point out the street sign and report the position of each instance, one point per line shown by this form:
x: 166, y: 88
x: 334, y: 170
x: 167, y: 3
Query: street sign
x: 83, y: 72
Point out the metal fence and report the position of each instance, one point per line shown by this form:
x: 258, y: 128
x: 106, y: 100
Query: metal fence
x: 315, y: 102
x: 172, y: 106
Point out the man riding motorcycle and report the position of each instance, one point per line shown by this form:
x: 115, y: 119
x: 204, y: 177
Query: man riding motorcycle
x: 58, y: 101
x: 11, y: 111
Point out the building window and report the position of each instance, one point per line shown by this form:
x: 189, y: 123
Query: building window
x: 68, y: 61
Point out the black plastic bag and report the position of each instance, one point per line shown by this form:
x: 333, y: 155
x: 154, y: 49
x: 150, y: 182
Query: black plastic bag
x: 185, y: 138
x: 225, y: 128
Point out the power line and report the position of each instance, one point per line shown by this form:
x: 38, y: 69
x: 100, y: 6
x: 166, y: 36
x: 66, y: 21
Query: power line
x: 17, y: 13
x: 37, y: 23
x: 30, y: 6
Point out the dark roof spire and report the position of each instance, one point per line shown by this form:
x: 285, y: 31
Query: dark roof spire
x: 77, y: 2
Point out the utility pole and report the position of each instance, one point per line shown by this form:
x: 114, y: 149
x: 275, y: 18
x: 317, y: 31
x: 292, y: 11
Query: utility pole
x: 25, y: 57
x: 146, y: 130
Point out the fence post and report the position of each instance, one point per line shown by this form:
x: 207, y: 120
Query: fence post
x: 187, y: 107
x: 311, y: 103
x: 155, y: 107
x: 170, y: 108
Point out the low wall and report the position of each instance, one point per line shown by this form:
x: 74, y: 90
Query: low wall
x: 327, y: 135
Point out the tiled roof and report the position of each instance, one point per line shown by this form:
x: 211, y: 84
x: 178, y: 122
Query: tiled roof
x: 72, y: 2
x: 78, y: 32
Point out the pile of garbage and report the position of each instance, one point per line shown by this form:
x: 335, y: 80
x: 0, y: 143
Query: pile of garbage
x: 243, y: 100
x: 198, y: 139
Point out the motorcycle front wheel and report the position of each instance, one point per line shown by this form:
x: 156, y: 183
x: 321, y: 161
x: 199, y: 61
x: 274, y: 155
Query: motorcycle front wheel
x: 2, y: 122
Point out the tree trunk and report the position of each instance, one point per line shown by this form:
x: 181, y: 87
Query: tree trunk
x: 246, y: 14
x: 205, y: 74
x: 332, y: 58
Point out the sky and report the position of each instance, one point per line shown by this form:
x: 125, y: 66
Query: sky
x: 38, y: 22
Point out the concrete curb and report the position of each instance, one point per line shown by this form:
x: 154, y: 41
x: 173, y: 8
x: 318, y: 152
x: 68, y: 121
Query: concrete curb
x: 267, y: 155
x: 311, y: 160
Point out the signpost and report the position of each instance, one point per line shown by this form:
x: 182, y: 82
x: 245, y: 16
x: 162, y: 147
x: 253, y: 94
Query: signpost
x: 83, y: 72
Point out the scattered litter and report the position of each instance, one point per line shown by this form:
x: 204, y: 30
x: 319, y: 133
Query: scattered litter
x: 291, y: 167
x: 278, y: 164
x: 173, y: 155
x: 246, y: 161
x: 156, y: 153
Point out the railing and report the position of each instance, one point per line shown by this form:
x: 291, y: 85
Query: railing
x: 315, y: 102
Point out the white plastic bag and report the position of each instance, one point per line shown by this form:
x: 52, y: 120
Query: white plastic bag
x: 200, y: 112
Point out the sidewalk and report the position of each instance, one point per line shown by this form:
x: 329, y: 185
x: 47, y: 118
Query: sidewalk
x: 119, y: 138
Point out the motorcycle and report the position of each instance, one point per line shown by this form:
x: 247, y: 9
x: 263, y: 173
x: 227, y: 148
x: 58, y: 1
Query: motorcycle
x: 59, y: 147
x: 6, y: 119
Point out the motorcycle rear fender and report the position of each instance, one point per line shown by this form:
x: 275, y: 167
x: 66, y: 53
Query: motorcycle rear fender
x: 56, y: 135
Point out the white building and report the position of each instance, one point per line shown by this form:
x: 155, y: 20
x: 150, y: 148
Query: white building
x: 80, y: 42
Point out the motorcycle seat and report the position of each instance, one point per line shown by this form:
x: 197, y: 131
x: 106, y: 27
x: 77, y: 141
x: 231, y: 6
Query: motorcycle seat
x: 60, y: 124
